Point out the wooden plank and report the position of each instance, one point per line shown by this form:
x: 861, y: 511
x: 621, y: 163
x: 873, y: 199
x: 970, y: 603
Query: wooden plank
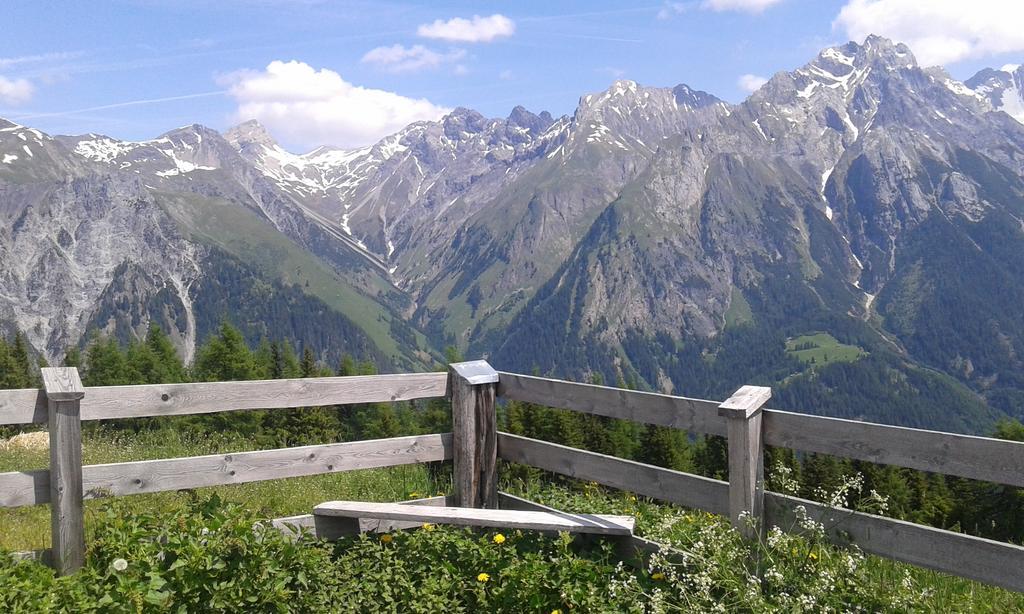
x: 965, y: 456
x: 62, y: 384
x: 474, y: 427
x: 64, y: 392
x: 745, y: 402
x: 633, y: 549
x: 105, y: 402
x: 43, y: 557
x: 957, y: 554
x: 601, y: 524
x: 692, y: 415
x: 746, y: 458
x: 656, y: 482
x: 331, y: 530
x: 26, y: 488
x: 24, y: 406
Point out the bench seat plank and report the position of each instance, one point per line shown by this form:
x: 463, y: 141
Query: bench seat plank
x: 475, y: 517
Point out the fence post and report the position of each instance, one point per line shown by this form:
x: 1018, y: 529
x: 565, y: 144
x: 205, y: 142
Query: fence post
x: 471, y: 388
x: 64, y: 393
x: 746, y: 457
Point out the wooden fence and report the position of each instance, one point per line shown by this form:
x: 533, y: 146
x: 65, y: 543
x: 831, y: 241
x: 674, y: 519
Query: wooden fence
x: 475, y: 446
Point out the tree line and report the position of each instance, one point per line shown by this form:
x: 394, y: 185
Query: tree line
x: 978, y: 508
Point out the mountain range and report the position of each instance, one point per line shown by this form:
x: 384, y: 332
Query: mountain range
x: 658, y: 236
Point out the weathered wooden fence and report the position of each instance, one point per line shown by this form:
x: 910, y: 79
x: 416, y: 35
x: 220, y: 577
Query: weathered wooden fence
x: 475, y: 446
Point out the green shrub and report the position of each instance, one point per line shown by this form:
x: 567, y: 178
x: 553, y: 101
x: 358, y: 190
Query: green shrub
x: 208, y: 557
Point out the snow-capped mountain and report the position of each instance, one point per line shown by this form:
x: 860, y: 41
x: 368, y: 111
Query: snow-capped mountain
x: 1003, y: 89
x: 860, y: 193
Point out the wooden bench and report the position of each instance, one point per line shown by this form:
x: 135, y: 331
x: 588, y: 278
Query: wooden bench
x: 338, y: 518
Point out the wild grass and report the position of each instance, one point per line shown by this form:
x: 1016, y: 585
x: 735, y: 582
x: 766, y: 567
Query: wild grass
x: 28, y: 528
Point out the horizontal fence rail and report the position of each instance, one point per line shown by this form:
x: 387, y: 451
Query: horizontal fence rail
x: 33, y: 487
x: 110, y: 402
x: 472, y: 387
x: 965, y: 456
x: 647, y: 480
x: 972, y: 557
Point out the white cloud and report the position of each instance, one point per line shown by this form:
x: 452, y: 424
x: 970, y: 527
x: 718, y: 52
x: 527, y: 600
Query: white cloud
x: 939, y: 31
x: 15, y: 91
x: 749, y: 6
x: 474, y: 30
x: 398, y: 58
x: 309, y: 107
x: 671, y: 9
x: 750, y: 83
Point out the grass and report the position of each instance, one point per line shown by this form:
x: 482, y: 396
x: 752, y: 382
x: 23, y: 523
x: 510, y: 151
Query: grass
x: 441, y: 567
x: 28, y: 528
x: 821, y: 349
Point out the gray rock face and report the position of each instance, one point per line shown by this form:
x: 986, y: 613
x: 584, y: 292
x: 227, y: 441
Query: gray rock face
x: 650, y: 211
x: 1003, y: 89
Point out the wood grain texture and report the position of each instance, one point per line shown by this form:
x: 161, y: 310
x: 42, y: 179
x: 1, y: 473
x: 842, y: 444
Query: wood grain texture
x: 62, y: 383
x: 965, y: 456
x: 647, y: 480
x: 292, y: 526
x: 474, y: 433
x: 20, y: 488
x: 745, y: 402
x: 962, y: 555
x: 746, y: 458
x: 693, y: 415
x: 104, y: 402
x: 24, y: 406
x: 465, y: 478
x: 601, y: 524
x: 30, y: 488
x: 67, y: 512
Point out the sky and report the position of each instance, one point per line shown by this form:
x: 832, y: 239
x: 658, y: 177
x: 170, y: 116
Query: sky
x: 341, y: 73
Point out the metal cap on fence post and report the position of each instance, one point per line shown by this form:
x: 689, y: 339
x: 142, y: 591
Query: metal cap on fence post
x: 64, y: 392
x: 746, y: 458
x: 471, y: 388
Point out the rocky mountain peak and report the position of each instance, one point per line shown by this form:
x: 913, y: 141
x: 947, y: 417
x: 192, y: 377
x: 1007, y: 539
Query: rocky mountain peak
x: 1003, y: 88
x: 522, y: 118
x: 248, y: 134
x: 685, y: 95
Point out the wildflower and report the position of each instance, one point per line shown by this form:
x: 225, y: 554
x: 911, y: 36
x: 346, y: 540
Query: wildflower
x: 119, y: 564
x: 483, y: 577
x: 632, y: 498
x: 499, y: 538
x: 556, y: 612
x: 657, y: 576
x: 813, y: 556
x: 414, y: 495
x: 427, y: 526
x: 386, y: 538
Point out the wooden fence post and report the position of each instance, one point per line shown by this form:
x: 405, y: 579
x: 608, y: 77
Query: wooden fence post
x: 746, y: 458
x: 64, y: 393
x: 471, y: 388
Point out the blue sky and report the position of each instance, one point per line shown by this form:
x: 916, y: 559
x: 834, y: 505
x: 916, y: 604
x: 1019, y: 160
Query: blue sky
x: 348, y: 72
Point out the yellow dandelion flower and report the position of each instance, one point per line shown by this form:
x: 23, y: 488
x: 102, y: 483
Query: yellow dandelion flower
x: 386, y: 538
x: 414, y: 495
x: 499, y: 538
x: 483, y: 577
x: 813, y: 556
x: 632, y: 498
x: 657, y: 576
x: 427, y: 526
x: 556, y: 612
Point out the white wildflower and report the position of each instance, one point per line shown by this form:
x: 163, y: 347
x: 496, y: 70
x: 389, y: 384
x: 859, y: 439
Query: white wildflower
x: 119, y: 564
